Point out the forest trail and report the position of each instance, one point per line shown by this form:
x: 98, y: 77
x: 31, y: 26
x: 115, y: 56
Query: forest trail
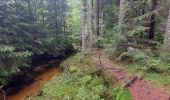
x: 140, y: 89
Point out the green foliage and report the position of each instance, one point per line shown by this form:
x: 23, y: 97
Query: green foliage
x: 74, y: 20
x: 144, y: 61
x: 119, y: 93
x: 140, y: 58
x: 11, y: 61
x: 111, y: 10
x: 76, y: 86
x: 86, y: 80
x: 30, y: 27
x: 165, y: 57
x: 125, y: 56
x: 150, y: 63
x: 76, y: 61
x: 77, y: 89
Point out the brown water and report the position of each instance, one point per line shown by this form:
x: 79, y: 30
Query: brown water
x: 33, y: 89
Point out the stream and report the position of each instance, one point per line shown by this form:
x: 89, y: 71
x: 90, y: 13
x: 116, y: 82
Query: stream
x: 34, y: 88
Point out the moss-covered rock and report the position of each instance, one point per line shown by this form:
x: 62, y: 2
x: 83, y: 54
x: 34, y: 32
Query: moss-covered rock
x: 73, y: 69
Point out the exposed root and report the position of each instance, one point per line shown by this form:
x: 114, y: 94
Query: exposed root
x: 130, y: 81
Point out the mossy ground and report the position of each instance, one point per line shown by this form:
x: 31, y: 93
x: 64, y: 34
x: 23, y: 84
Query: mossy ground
x: 82, y: 79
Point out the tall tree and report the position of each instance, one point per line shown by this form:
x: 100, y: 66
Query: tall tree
x: 153, y: 19
x: 92, y: 30
x: 84, y: 24
x: 97, y: 18
x: 166, y: 44
x: 101, y: 8
x: 121, y: 12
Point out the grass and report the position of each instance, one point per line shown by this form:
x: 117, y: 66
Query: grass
x: 81, y: 80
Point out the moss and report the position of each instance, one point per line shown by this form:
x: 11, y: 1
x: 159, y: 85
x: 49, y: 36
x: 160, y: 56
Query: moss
x: 73, y: 69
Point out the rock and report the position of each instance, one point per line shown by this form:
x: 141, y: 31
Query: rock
x: 133, y: 50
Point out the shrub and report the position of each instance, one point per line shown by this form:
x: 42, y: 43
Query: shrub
x: 148, y: 63
x: 120, y: 94
x: 165, y: 57
x: 140, y: 58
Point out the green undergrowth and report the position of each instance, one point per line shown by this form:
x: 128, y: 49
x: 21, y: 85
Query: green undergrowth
x: 152, y: 65
x: 158, y: 79
x: 81, y: 79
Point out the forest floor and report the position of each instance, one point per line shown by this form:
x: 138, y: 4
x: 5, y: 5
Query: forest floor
x: 139, y: 88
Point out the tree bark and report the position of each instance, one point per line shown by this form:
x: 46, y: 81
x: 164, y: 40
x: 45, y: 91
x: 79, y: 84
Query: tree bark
x: 92, y: 30
x: 84, y: 24
x: 56, y: 15
x: 166, y: 44
x: 121, y: 12
x: 153, y: 20
x: 101, y: 16
x: 97, y: 17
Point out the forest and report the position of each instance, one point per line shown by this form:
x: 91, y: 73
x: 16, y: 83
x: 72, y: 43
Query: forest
x: 84, y: 50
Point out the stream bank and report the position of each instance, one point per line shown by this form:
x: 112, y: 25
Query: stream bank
x: 34, y: 88
x: 29, y: 81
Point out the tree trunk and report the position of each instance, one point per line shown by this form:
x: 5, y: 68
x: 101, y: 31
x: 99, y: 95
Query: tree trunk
x: 166, y: 44
x: 101, y: 17
x: 144, y: 7
x: 64, y: 24
x: 84, y: 24
x: 153, y: 20
x: 30, y: 10
x: 56, y: 15
x: 92, y: 30
x: 121, y: 12
x: 97, y: 17
x: 2, y: 94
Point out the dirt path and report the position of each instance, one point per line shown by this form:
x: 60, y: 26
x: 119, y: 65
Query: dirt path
x: 140, y: 89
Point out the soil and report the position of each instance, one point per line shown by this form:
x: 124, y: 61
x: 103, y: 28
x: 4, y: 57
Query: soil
x: 140, y: 89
